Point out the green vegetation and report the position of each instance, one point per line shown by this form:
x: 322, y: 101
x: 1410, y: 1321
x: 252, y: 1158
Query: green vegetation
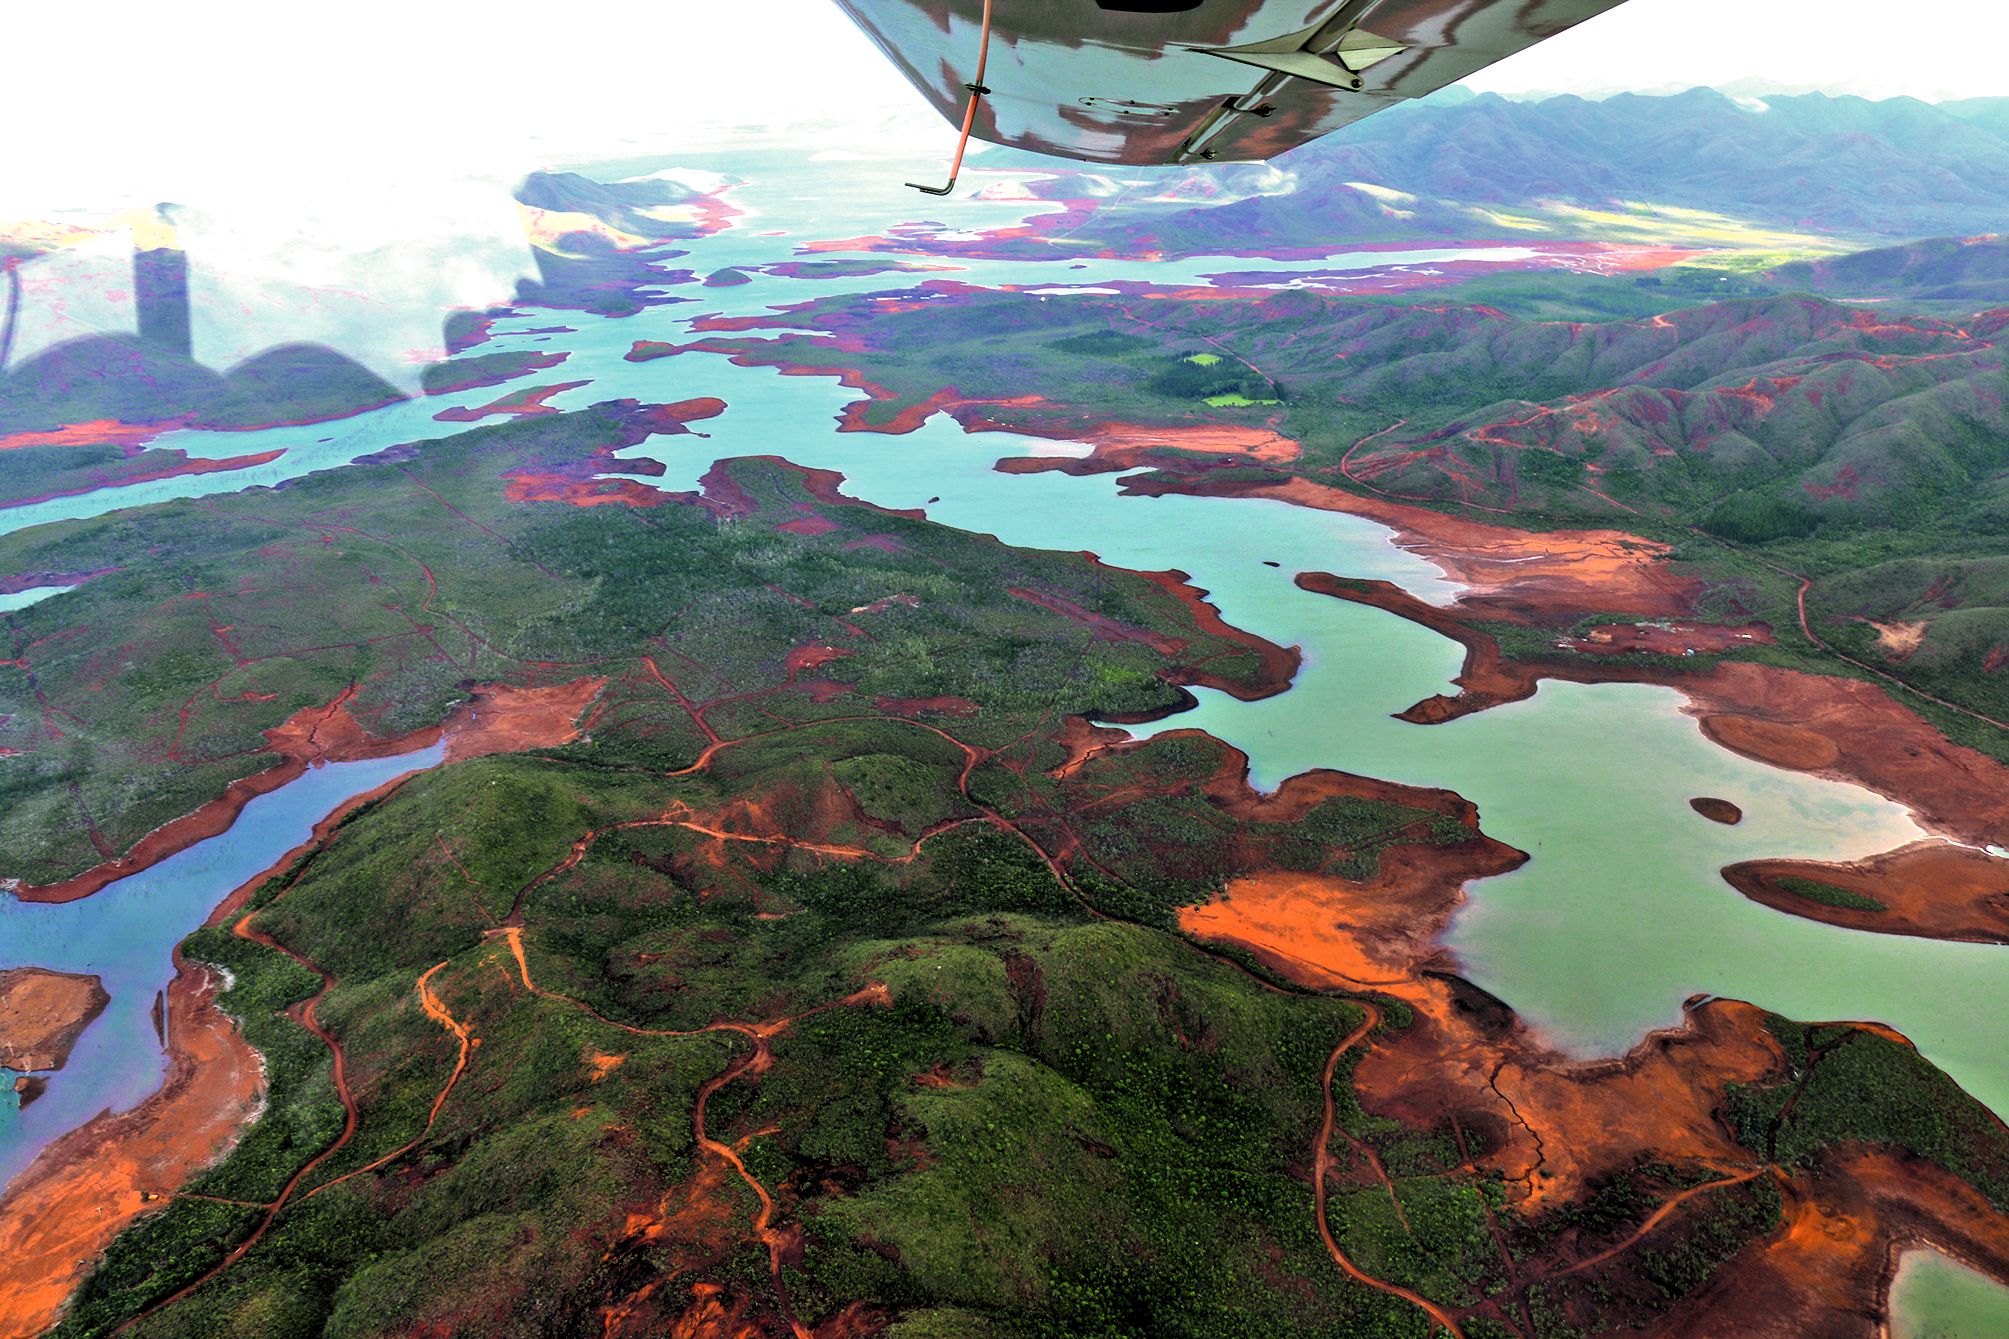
x: 1764, y: 437
x: 1827, y: 894
x: 1060, y: 1122
x: 426, y: 579
x: 1854, y: 1084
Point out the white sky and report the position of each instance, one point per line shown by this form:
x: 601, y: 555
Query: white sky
x: 128, y: 100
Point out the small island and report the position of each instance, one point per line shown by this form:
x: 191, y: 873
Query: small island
x: 1717, y: 811
x: 41, y: 1016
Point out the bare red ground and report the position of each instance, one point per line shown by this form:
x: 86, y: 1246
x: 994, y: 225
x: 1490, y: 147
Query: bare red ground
x: 1123, y: 446
x: 1104, y: 627
x: 1553, y: 1128
x: 1826, y: 1274
x: 1930, y: 889
x: 1669, y: 639
x: 1846, y: 728
x: 959, y: 707
x: 1854, y: 730
x: 57, y: 1216
x: 1717, y: 810
x: 1276, y: 665
x: 43, y: 1013
x: 499, y: 718
x: 1551, y: 577
x: 95, y: 432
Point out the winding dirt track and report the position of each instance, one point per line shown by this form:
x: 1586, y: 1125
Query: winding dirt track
x: 756, y: 1061
x: 1660, y: 1216
x: 303, y: 1014
x: 1322, y: 1164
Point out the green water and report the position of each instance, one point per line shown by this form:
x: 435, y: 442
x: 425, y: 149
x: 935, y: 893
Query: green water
x: 1937, y: 1298
x: 1621, y: 914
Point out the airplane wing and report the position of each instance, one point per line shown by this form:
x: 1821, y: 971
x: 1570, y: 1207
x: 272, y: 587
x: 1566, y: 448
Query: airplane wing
x: 1177, y: 81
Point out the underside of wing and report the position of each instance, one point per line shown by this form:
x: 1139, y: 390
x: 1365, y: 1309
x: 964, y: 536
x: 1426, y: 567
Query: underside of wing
x: 1173, y: 81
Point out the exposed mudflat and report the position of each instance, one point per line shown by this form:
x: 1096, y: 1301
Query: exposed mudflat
x: 1933, y: 890
x: 57, y: 1216
x: 43, y: 1013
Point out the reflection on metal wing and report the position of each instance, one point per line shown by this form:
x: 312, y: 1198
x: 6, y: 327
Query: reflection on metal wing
x: 1173, y: 81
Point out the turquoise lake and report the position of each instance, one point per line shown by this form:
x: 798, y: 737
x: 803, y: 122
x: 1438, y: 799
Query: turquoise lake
x: 1618, y: 917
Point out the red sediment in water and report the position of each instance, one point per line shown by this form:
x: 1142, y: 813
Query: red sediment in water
x: 60, y: 1214
x: 1933, y: 890
x: 499, y: 718
x: 526, y: 403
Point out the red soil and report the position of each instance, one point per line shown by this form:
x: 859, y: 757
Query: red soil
x: 1669, y: 639
x: 1827, y: 1272
x: 1844, y: 728
x: 1276, y: 665
x: 1931, y: 889
x: 960, y: 708
x: 1717, y: 811
x: 1853, y: 730
x: 1553, y: 577
x: 499, y: 718
x: 214, y: 1077
x: 57, y: 1216
x: 95, y: 432
x: 1123, y: 446
x: 42, y: 1014
x: 1105, y: 628
x: 1553, y: 1128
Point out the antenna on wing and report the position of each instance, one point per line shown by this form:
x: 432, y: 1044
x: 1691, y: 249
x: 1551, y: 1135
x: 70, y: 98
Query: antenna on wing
x: 977, y: 90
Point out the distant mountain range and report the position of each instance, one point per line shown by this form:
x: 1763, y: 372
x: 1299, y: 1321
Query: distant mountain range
x: 1841, y: 167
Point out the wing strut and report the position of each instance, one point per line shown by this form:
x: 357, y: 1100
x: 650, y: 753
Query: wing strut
x: 977, y: 90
